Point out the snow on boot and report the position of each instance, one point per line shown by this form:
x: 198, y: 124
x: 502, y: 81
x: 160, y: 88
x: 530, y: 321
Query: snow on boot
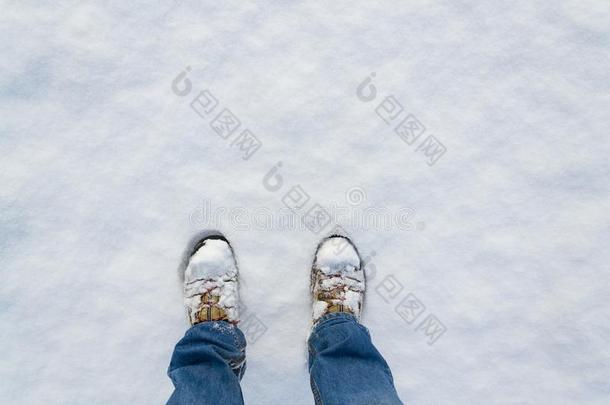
x: 210, y: 282
x: 337, y: 278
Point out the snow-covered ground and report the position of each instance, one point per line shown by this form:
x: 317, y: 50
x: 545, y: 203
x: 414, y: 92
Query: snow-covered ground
x: 108, y: 173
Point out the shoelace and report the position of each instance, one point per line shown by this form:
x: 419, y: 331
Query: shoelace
x: 332, y: 289
x: 209, y: 308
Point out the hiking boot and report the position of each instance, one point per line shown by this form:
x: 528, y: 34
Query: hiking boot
x: 210, y: 282
x: 337, y: 278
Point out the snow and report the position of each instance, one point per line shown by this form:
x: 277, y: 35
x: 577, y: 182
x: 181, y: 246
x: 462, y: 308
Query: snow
x: 319, y: 309
x: 330, y: 283
x: 106, y: 166
x: 214, y: 259
x: 336, y: 254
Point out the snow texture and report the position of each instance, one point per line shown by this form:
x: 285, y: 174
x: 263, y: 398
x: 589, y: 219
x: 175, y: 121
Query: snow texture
x: 105, y: 168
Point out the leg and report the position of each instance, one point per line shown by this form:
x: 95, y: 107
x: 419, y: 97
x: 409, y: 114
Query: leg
x: 208, y: 364
x: 345, y: 367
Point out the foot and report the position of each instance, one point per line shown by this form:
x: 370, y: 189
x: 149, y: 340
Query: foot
x: 337, y: 279
x: 210, y: 282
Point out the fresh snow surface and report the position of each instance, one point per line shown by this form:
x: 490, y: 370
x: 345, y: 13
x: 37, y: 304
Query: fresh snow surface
x: 109, y: 173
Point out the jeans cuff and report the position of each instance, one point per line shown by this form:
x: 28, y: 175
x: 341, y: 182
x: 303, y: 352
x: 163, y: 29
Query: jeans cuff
x: 331, y: 318
x: 224, y: 328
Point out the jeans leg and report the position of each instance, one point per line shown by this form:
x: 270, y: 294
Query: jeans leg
x: 207, y: 365
x: 344, y: 366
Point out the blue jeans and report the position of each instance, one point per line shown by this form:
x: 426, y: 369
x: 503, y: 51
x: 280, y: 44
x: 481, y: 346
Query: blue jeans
x: 344, y: 366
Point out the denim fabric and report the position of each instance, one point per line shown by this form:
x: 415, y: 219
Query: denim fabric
x: 344, y: 366
x: 208, y: 364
